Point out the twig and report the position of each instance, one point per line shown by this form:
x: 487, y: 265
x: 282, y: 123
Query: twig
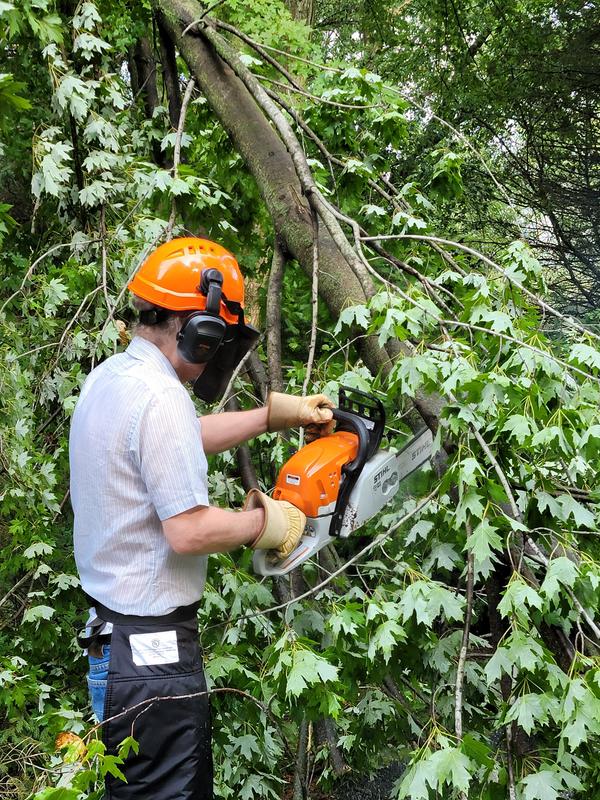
x: 109, y: 307
x: 315, y: 315
x: 512, y: 794
x: 322, y: 147
x: 462, y: 657
x: 273, y: 315
x: 543, y: 559
x: 328, y: 68
x: 201, y: 17
x: 367, y: 549
x: 177, y: 152
x: 220, y: 690
x: 139, y: 262
x: 19, y: 583
x: 301, y: 761
x: 236, y: 372
x: 520, y: 342
x: 29, y: 272
x: 537, y: 300
x: 260, y: 50
x: 304, y: 93
x: 315, y: 307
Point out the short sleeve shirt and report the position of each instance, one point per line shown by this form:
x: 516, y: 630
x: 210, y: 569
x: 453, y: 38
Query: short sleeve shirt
x: 136, y: 458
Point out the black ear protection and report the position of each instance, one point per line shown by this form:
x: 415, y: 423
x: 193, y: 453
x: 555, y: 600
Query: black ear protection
x: 203, y: 332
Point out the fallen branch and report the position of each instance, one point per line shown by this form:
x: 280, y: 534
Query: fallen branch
x: 367, y: 549
x: 177, y: 152
x: 315, y: 308
x: 273, y: 317
x: 568, y: 321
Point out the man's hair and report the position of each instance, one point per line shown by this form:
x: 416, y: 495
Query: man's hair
x: 167, y: 321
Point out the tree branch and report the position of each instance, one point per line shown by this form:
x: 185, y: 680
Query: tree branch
x: 273, y: 317
x: 177, y: 152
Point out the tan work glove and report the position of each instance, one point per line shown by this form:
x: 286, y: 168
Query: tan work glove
x: 284, y: 524
x: 289, y: 411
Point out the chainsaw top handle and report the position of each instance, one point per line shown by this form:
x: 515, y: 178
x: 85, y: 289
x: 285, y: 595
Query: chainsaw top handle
x: 350, y: 420
x: 353, y: 468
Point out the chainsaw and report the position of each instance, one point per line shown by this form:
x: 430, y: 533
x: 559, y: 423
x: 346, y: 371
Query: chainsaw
x: 342, y: 480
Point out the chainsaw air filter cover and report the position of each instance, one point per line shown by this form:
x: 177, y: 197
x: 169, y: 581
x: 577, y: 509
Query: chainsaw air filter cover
x: 311, y: 478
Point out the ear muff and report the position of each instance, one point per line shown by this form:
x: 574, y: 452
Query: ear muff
x: 200, y: 337
x: 203, y: 332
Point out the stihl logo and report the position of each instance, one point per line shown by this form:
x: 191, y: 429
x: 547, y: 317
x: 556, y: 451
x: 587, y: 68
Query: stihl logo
x: 380, y: 474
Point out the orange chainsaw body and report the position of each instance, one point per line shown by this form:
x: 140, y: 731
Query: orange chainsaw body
x: 310, y: 480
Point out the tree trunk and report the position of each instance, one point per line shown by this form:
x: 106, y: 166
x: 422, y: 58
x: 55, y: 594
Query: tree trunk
x: 302, y: 10
x: 271, y: 165
x: 170, y: 75
x: 145, y: 72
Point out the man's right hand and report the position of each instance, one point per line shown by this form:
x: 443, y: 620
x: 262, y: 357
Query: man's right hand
x: 283, y: 526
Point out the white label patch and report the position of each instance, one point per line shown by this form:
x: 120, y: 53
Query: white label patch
x: 154, y: 648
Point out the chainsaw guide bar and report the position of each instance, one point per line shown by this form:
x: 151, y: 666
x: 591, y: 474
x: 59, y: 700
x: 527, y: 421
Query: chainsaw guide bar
x: 343, y: 480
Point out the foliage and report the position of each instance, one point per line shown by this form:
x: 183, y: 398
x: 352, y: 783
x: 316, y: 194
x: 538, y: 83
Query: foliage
x: 378, y: 649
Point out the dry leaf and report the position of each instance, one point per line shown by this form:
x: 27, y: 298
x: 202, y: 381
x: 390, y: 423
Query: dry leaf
x: 66, y: 739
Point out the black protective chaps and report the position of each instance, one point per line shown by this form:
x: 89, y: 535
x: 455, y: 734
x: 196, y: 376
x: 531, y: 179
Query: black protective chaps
x: 158, y: 657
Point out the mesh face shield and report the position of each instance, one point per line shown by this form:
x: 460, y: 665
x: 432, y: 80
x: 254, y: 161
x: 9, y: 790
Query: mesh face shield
x: 238, y: 340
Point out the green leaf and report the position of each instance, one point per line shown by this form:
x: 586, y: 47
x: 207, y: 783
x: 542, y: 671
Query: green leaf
x: 501, y: 322
x: 55, y: 293
x: 526, y: 711
x: 38, y: 549
x: 307, y: 669
x: 481, y: 543
x: 518, y: 595
x: 561, y: 571
x: 370, y: 210
x: 585, y: 356
x: 451, y: 766
x: 519, y: 427
x: 360, y: 315
x: 37, y: 613
x: 110, y: 765
x: 470, y: 502
x: 127, y: 745
x: 477, y: 750
x: 412, y: 371
x: 543, y: 785
x: 60, y: 793
x: 428, y: 600
x: 570, y: 507
x: 520, y: 650
x: 385, y: 638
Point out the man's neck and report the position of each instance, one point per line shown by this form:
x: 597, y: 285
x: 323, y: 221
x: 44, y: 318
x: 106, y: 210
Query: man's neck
x: 167, y: 344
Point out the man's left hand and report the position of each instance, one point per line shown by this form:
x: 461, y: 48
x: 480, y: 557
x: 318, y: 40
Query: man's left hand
x: 290, y: 411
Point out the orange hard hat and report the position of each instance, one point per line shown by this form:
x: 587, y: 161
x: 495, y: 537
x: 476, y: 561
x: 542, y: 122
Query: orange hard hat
x: 171, y: 275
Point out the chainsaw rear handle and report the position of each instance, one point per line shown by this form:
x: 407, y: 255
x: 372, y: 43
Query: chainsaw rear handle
x: 352, y: 469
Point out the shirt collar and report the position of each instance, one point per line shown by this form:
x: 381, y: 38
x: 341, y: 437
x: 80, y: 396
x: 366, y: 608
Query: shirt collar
x: 144, y: 350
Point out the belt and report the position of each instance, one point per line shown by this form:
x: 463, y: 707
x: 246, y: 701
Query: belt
x: 104, y: 615
x: 180, y: 614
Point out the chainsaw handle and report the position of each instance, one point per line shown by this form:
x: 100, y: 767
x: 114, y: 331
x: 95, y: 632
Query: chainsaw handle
x: 352, y: 469
x: 360, y: 429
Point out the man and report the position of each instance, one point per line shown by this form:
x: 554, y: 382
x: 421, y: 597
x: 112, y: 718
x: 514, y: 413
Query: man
x: 143, y: 523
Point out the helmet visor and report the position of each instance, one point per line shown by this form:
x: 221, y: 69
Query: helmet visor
x: 239, y: 339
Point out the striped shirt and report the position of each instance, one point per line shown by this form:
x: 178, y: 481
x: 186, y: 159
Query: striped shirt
x: 136, y: 458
